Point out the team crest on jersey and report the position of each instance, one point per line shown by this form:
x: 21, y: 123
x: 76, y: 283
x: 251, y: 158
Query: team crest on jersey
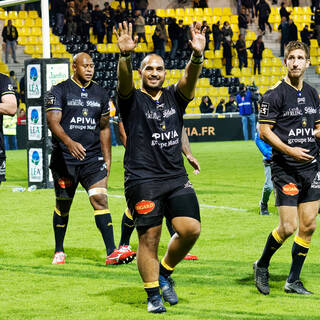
x: 10, y: 87
x: 50, y: 99
x: 85, y: 112
x: 264, y: 108
x: 304, y: 122
x: 301, y: 100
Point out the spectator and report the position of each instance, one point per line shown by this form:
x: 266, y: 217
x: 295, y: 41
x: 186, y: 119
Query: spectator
x: 263, y: 12
x: 183, y: 37
x: 141, y: 5
x: 256, y: 49
x: 306, y: 35
x: 10, y: 36
x: 217, y: 35
x: 58, y: 8
x: 22, y: 117
x: 293, y: 31
x: 140, y: 26
x: 220, y: 107
x: 13, y: 81
x: 85, y: 21
x: 246, y: 111
x: 206, y: 105
x: 243, y: 22
x: 163, y: 37
x: 9, y: 132
x: 158, y: 42
x: 71, y: 19
x: 207, y: 34
x: 317, y: 23
x: 174, y: 35
x: 108, y: 21
x: 227, y: 32
x: 97, y: 18
x: 22, y: 90
x: 247, y: 5
x: 227, y: 55
x: 283, y: 12
x: 200, y: 3
x: 284, y: 28
x: 231, y: 105
x: 242, y: 52
x: 295, y: 3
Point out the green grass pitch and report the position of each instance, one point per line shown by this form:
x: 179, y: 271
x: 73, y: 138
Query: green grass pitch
x: 217, y: 286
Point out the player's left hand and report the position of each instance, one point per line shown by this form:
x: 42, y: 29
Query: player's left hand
x: 316, y: 133
x: 198, y: 41
x: 194, y: 163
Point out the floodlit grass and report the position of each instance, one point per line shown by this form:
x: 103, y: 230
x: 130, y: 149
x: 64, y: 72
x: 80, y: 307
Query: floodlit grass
x: 218, y: 286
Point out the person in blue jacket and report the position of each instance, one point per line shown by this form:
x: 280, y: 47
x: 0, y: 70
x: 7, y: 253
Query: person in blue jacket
x: 266, y: 151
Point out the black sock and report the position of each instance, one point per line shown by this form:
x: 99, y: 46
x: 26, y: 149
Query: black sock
x: 154, y: 290
x: 170, y: 228
x: 104, y: 224
x: 127, y: 227
x: 274, y: 242
x: 60, y: 223
x: 300, y: 249
x: 165, y: 270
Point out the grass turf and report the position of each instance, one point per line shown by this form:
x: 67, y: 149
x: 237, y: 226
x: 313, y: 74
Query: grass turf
x: 217, y: 286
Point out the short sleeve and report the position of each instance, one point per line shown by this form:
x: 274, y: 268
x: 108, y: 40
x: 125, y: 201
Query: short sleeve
x: 53, y: 99
x: 269, y: 108
x: 5, y: 86
x: 181, y: 99
x: 317, y: 104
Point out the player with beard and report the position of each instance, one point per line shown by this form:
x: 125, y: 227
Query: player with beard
x: 289, y: 121
x: 78, y: 116
x: 156, y: 182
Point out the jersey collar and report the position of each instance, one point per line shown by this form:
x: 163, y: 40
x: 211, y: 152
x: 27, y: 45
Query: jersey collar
x: 79, y: 85
x: 286, y: 81
x: 157, y: 97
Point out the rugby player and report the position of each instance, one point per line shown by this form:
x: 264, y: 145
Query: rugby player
x: 156, y: 182
x: 127, y: 224
x: 78, y: 116
x: 8, y: 106
x: 289, y: 121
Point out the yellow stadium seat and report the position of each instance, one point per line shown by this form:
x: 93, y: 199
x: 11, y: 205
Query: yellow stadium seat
x: 38, y: 22
x: 188, y: 20
x: 314, y: 61
x: 208, y: 63
x: 60, y: 48
x: 223, y: 91
x: 276, y: 62
x: 235, y: 62
x: 29, y: 49
x: 4, y: 68
x: 33, y: 14
x: 217, y: 12
x: 54, y: 39
x: 33, y: 40
x: 318, y: 69
x: 12, y: 15
x: 112, y: 47
x: 23, y: 14
x: 36, y: 31
x: 189, y: 12
x: 25, y: 31
x: 266, y: 62
x: 313, y: 43
x: 201, y: 91
x: 179, y: 13
x: 275, y: 71
x: 170, y: 13
x: 218, y: 54
x: 175, y: 73
x: 267, y: 53
x: 246, y: 72
x: 226, y: 11
x: 224, y: 19
x: 297, y: 10
x: 22, y: 40
x: 265, y: 70
x: 313, y: 51
x: 161, y: 13
x: 209, y: 54
x: 263, y: 89
x: 136, y: 75
x: 235, y: 29
x: 217, y: 63
x: 3, y: 15
x: 306, y: 10
x: 204, y: 82
x: 197, y: 11
x: 30, y: 22
x: 236, y: 72
x: 102, y: 47
x: 274, y: 79
x: 207, y: 11
x: 142, y: 47
x: 213, y: 91
x: 274, y: 19
x: 234, y: 19
x: 38, y: 49
x: 19, y: 23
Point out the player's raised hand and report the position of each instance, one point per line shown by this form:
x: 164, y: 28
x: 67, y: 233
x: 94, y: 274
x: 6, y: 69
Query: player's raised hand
x: 124, y: 38
x: 198, y: 41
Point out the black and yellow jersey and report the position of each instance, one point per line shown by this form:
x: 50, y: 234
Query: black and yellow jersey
x: 293, y: 114
x: 82, y: 108
x: 5, y: 88
x: 153, y: 127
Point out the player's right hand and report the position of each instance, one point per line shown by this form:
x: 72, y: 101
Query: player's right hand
x: 76, y: 150
x: 124, y: 38
x: 300, y: 154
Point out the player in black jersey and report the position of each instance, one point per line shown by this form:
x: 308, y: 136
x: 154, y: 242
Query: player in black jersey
x: 289, y: 120
x: 8, y: 106
x: 156, y: 182
x: 78, y: 116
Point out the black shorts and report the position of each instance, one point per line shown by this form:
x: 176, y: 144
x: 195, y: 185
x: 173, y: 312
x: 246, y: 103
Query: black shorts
x: 67, y: 177
x: 3, y: 169
x: 292, y: 188
x: 149, y: 202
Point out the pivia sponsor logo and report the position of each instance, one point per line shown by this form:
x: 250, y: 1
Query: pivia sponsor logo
x: 144, y: 206
x: 290, y: 189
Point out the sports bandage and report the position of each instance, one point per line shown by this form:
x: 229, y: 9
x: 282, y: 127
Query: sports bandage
x: 95, y: 191
x: 196, y: 59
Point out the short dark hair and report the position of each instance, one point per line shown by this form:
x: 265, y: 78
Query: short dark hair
x: 294, y: 45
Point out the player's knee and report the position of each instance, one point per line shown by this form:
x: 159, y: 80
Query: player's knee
x: 308, y: 228
x: 98, y: 197
x: 191, y: 231
x: 288, y: 228
x: 149, y: 237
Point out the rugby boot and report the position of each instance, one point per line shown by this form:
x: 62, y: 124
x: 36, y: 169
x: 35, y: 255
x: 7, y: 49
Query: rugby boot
x: 190, y: 257
x: 168, y: 292
x: 264, y: 209
x: 59, y: 258
x: 120, y: 257
x: 127, y: 249
x: 261, y: 279
x: 296, y: 287
x: 155, y: 305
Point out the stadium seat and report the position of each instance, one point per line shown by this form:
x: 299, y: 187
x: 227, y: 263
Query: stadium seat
x: 201, y: 91
x: 318, y: 69
x: 54, y: 39
x: 30, y: 22
x: 217, y: 12
x: 208, y: 63
x: 276, y: 71
x: 204, y: 82
x: 226, y: 11
x: 236, y: 72
x: 234, y: 19
x: 38, y: 49
x: 314, y: 61
x: 12, y: 15
x: 170, y: 13
x: 208, y: 11
x: 217, y: 63
x: 3, y: 15
x: 33, y: 40
x: 313, y: 43
x: 29, y: 49
x: 187, y: 20
x: 33, y: 14
x: 267, y: 53
x: 161, y: 13
x: 246, y: 72
x: 36, y: 31
x: 213, y: 92
x: 223, y: 91
x: 197, y: 11
x: 209, y: 54
x: 19, y: 23
x: 306, y: 10
x: 102, y: 47
x: 179, y: 13
x: 22, y: 40
x: 189, y: 12
x: 112, y: 47
x: 24, y: 31
x: 38, y: 22
x: 23, y: 14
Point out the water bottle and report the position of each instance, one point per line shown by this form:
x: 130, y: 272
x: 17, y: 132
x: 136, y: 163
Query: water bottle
x: 32, y: 188
x: 18, y: 189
